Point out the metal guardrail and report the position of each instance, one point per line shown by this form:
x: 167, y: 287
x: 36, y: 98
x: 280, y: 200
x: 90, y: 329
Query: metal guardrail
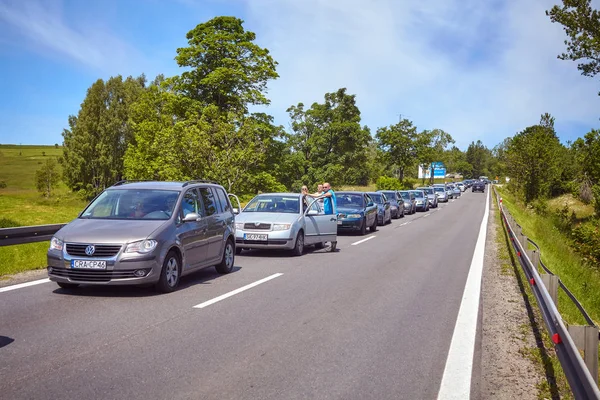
x: 28, y: 234
x: 582, y: 383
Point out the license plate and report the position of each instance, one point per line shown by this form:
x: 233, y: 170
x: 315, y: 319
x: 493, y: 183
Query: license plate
x: 256, y: 236
x: 88, y: 264
x: 339, y: 222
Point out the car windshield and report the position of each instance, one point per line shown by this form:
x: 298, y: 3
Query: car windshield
x: 390, y: 195
x: 439, y: 189
x: 427, y: 190
x: 350, y: 200
x: 274, y: 204
x: 405, y: 195
x: 377, y: 198
x: 418, y: 194
x: 132, y: 204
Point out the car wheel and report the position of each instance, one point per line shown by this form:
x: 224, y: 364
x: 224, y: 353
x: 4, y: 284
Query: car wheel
x: 226, y: 264
x: 169, y: 274
x: 299, y: 246
x: 374, y: 227
x: 66, y: 285
x: 363, y: 227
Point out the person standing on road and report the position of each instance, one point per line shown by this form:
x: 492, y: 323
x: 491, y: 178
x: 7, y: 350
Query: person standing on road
x: 329, y: 204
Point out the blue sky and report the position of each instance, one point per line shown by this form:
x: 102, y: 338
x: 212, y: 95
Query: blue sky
x: 477, y: 69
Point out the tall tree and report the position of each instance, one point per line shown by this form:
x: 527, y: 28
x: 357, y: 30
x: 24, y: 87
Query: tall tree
x: 47, y: 177
x: 582, y: 25
x: 98, y: 136
x: 398, y: 144
x: 478, y: 156
x: 327, y: 141
x: 226, y: 67
x: 430, y: 148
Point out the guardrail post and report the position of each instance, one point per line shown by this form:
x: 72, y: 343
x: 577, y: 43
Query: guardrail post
x: 523, y: 240
x: 551, y: 283
x: 586, y: 340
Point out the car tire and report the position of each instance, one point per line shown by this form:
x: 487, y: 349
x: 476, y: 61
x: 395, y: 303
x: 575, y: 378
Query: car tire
x: 363, y: 227
x: 169, y: 274
x: 374, y: 227
x: 65, y: 285
x: 228, y: 260
x: 299, y: 245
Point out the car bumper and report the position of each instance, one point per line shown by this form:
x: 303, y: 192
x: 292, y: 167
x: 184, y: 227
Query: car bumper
x: 349, y: 224
x: 116, y: 273
x: 283, y: 240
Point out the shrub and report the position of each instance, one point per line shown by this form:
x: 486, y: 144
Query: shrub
x: 596, y: 193
x: 540, y: 206
x: 587, y: 238
x: 8, y: 223
x: 2, y: 184
x: 388, y: 183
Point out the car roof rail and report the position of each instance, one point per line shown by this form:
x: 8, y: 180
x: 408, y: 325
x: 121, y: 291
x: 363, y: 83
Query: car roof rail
x: 124, y: 181
x: 199, y: 181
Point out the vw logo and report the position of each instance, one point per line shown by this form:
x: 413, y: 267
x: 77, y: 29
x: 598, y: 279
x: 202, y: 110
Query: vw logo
x: 90, y: 250
x: 257, y: 224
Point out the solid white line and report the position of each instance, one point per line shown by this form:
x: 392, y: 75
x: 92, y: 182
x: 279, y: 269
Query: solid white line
x: 236, y: 291
x: 404, y: 223
x: 426, y: 215
x: 456, y: 381
x: 364, y: 240
x: 22, y: 285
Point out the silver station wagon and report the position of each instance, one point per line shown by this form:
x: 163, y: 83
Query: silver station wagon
x: 146, y: 233
x: 286, y: 221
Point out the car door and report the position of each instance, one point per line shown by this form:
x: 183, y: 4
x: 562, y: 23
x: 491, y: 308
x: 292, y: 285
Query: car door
x: 320, y: 227
x: 215, y: 223
x: 192, y: 234
x: 370, y: 210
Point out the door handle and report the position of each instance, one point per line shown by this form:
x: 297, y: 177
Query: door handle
x: 333, y: 219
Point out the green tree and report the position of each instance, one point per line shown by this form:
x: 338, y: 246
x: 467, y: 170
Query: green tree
x: 398, y: 144
x: 582, y: 25
x: 587, y: 150
x: 478, y: 156
x: 430, y: 148
x: 225, y: 67
x: 328, y: 143
x: 47, y: 177
x: 533, y: 158
x: 98, y: 136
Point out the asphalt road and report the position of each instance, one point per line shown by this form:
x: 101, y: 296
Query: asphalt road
x: 371, y: 321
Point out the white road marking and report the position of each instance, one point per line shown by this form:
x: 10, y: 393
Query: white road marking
x: 456, y: 381
x: 22, y: 285
x: 236, y: 291
x: 364, y: 240
x: 452, y: 201
x: 426, y: 215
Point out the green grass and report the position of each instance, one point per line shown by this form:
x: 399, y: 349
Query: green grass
x: 542, y: 354
x: 22, y: 205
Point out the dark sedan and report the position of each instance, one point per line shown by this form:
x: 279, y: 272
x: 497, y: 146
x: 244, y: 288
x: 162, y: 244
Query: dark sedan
x: 384, y: 211
x: 356, y: 212
x: 396, y: 203
x: 410, y: 203
x: 478, y: 186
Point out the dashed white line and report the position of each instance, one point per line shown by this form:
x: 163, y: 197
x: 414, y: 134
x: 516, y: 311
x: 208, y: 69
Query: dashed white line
x: 236, y: 291
x: 456, y: 381
x: 22, y: 285
x: 426, y: 215
x: 364, y: 240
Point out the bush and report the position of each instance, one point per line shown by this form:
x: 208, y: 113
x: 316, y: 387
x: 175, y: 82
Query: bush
x: 540, y: 206
x: 8, y: 223
x: 2, y: 184
x: 596, y: 193
x: 587, y: 238
x: 388, y: 183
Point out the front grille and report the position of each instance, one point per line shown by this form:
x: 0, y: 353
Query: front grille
x: 261, y: 226
x: 92, y: 276
x: 101, y: 250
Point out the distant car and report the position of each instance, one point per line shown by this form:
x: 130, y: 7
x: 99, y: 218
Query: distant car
x: 422, y: 202
x: 431, y: 196
x: 456, y: 193
x: 478, y: 186
x: 356, y: 212
x: 441, y: 194
x: 285, y: 221
x: 384, y: 212
x: 396, y: 203
x: 410, y: 204
x: 461, y: 186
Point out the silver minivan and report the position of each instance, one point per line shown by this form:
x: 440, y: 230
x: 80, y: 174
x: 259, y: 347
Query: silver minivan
x: 146, y: 233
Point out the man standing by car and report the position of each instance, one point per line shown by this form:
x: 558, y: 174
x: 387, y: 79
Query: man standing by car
x: 329, y: 204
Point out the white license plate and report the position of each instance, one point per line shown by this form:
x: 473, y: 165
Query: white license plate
x: 256, y: 236
x: 339, y: 222
x: 88, y: 264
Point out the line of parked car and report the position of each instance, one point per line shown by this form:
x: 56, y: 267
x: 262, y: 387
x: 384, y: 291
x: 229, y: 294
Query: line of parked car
x: 153, y: 233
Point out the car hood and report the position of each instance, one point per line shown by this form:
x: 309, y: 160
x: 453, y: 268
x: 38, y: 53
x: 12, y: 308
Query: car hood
x: 110, y: 231
x: 267, y: 217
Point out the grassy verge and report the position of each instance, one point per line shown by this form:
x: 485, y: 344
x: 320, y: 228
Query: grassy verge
x: 561, y: 258
x: 22, y: 205
x: 555, y: 384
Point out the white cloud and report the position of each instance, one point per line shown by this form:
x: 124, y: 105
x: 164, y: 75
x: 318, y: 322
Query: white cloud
x: 418, y: 58
x: 48, y: 31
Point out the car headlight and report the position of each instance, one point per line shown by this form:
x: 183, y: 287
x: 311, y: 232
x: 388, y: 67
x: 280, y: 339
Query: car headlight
x: 281, y: 227
x: 56, y: 244
x: 141, y: 246
x: 239, y: 225
x: 354, y: 216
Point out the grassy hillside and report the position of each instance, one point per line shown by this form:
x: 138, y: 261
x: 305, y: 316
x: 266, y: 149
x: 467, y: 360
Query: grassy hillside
x: 22, y: 205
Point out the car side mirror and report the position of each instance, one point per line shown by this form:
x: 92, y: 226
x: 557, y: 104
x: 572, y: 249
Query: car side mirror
x: 312, y: 212
x: 191, y: 217
x: 370, y: 204
x: 236, y: 210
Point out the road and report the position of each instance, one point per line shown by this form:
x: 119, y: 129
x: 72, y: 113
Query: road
x: 371, y: 321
